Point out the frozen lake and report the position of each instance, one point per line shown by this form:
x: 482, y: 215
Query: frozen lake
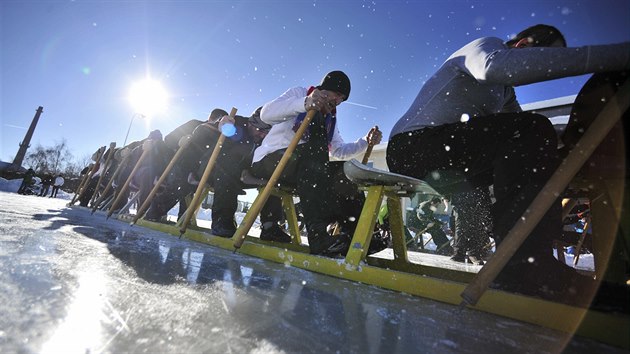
x: 71, y: 282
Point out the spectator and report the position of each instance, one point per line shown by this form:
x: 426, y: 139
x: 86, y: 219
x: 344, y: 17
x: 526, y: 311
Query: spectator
x: 56, y: 185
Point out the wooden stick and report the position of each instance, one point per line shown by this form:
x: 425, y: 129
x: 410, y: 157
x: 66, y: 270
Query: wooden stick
x: 578, y: 247
x: 368, y: 152
x: 112, y: 146
x: 188, y: 199
x: 190, y: 211
x: 146, y: 149
x: 591, y: 139
x: 168, y: 169
x: 103, y: 195
x: 336, y: 230
x: 76, y: 192
x: 261, y: 199
x: 86, y: 181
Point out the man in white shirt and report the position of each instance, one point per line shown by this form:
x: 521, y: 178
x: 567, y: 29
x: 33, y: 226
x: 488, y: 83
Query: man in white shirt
x: 326, y: 195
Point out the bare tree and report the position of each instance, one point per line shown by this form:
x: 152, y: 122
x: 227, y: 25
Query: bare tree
x: 37, y: 160
x: 49, y: 159
x: 73, y: 168
x: 59, y: 156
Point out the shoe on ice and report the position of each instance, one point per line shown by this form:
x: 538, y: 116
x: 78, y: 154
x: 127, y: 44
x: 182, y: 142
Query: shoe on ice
x: 274, y: 233
x: 223, y: 227
x: 322, y: 243
x: 460, y: 257
x: 379, y: 242
x: 476, y: 259
x: 445, y: 250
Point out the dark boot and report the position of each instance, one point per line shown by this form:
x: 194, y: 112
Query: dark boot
x: 223, y: 226
x: 272, y: 232
x: 322, y: 243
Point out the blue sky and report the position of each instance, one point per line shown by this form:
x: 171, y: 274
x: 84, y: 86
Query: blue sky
x: 78, y: 59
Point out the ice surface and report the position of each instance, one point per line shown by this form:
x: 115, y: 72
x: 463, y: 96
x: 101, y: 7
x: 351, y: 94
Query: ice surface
x: 71, y: 282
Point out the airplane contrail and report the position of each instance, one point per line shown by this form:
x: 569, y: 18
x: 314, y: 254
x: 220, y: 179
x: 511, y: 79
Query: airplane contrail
x: 361, y: 105
x: 14, y: 126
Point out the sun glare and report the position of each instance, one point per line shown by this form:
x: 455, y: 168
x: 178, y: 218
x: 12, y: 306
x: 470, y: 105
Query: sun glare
x: 148, y: 97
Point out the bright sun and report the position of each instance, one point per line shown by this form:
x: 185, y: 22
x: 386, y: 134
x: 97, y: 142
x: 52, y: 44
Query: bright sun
x: 148, y: 97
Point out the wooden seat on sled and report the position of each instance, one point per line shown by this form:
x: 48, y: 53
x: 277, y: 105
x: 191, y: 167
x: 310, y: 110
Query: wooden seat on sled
x: 365, y: 176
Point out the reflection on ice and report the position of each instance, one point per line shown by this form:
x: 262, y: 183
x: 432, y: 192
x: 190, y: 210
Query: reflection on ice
x: 80, y: 331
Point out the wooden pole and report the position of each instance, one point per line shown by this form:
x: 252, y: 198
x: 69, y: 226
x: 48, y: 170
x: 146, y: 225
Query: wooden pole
x: 261, y: 199
x: 206, y: 174
x: 368, y: 152
x: 103, y: 195
x: 86, y: 181
x: 591, y: 139
x: 147, y: 202
x: 112, y: 146
x: 76, y: 192
x: 146, y: 149
x: 336, y: 228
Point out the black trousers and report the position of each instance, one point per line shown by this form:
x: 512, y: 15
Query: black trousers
x: 473, y: 221
x: 514, y: 152
x: 226, y: 179
x: 326, y: 195
x: 193, y: 159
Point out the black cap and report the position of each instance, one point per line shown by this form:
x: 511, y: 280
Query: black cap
x: 215, y: 115
x: 336, y: 81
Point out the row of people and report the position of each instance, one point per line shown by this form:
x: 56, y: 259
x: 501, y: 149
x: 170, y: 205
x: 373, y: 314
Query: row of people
x: 464, y: 131
x: 48, y: 180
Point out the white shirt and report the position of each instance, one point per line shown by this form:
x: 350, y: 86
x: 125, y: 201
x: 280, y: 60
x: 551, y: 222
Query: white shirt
x: 59, y: 181
x: 281, y: 114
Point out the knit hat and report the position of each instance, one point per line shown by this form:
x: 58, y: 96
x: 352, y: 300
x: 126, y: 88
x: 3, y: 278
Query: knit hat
x: 336, y: 81
x: 155, y: 135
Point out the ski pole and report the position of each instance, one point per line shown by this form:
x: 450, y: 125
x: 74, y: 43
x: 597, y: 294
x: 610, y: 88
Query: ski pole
x: 112, y: 146
x: 146, y: 149
x: 145, y: 205
x: 261, y: 199
x: 206, y: 174
x: 591, y: 139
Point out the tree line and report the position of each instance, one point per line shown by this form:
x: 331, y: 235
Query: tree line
x: 55, y: 159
